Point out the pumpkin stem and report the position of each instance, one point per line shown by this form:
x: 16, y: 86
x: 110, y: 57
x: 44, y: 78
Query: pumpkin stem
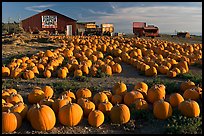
x: 38, y: 105
x: 9, y: 110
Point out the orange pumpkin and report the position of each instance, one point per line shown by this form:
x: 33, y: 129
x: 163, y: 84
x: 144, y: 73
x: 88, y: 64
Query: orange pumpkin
x: 44, y: 117
x: 162, y: 109
x: 10, y: 121
x: 96, y: 118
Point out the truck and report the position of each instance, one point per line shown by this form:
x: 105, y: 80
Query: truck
x: 142, y: 29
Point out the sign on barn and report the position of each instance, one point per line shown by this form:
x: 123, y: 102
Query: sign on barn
x: 49, y: 21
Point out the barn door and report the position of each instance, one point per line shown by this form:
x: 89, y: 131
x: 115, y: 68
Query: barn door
x: 69, y: 30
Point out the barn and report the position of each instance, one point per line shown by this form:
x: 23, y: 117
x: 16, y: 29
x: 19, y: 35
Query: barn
x: 51, y: 21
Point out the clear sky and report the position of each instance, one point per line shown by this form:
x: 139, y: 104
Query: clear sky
x: 168, y: 16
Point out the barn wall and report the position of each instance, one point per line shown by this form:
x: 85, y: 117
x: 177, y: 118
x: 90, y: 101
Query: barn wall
x: 35, y: 22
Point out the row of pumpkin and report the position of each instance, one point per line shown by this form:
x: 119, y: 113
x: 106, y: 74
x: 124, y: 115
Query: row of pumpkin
x: 70, y: 107
x: 86, y: 55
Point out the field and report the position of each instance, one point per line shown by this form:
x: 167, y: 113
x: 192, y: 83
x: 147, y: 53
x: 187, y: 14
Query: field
x: 141, y: 122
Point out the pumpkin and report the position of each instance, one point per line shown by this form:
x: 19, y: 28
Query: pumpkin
x: 20, y: 108
x: 5, y: 71
x: 120, y: 114
x: 16, y: 73
x: 14, y: 99
x: 36, y: 95
x: 41, y: 67
x: 78, y: 73
x: 191, y: 94
x: 171, y: 73
x: 130, y: 97
x: 116, y: 99
x: 70, y: 94
x: 5, y: 94
x: 162, y: 109
x: 117, y: 68
x: 140, y: 104
x: 11, y: 91
x: 108, y: 94
x: 10, y: 121
x: 3, y: 101
x: 156, y: 92
x: 105, y: 107
x: 28, y: 74
x: 47, y: 73
x: 152, y: 71
x: 120, y: 88
x: 46, y: 101
x: 62, y: 73
x: 44, y: 117
x: 96, y: 118
x: 99, y: 97
x: 84, y: 93
x: 70, y: 114
x: 48, y: 91
x: 93, y: 71
x: 186, y: 85
x: 49, y: 53
x: 85, y: 69
x: 87, y: 107
x: 107, y: 69
x: 60, y: 102
x: 6, y: 106
x: 175, y: 99
x: 189, y: 108
x: 142, y: 85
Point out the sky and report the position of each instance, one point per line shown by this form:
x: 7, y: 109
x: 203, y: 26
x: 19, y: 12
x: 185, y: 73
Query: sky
x: 168, y: 16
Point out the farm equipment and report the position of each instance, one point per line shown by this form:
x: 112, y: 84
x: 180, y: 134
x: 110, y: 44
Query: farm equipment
x: 92, y: 29
x: 107, y: 29
x: 141, y: 29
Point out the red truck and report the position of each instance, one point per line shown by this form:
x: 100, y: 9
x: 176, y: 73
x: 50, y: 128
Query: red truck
x: 141, y: 29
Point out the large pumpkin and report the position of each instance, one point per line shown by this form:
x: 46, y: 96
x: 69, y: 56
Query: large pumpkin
x: 48, y: 91
x: 10, y: 121
x: 70, y: 114
x: 189, y: 108
x: 96, y: 118
x: 162, y: 109
x: 99, y: 97
x: 87, y: 107
x: 36, y: 95
x: 130, y: 97
x: 42, y: 117
x: 191, y: 94
x: 14, y: 99
x: 140, y: 104
x: 20, y: 108
x: 105, y: 107
x: 186, y: 85
x: 119, y: 88
x: 156, y: 92
x: 141, y: 85
x: 84, y: 93
x: 116, y: 99
x: 60, y: 102
x: 120, y: 114
x: 175, y: 99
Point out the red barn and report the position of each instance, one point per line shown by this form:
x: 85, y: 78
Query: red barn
x: 51, y: 21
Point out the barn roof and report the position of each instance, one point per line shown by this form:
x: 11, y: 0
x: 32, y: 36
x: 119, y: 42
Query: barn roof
x: 53, y: 12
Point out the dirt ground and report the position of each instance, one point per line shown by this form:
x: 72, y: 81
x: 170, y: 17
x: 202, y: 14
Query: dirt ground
x: 129, y: 76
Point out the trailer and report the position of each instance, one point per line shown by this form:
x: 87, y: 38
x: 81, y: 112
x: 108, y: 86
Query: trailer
x: 141, y: 29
